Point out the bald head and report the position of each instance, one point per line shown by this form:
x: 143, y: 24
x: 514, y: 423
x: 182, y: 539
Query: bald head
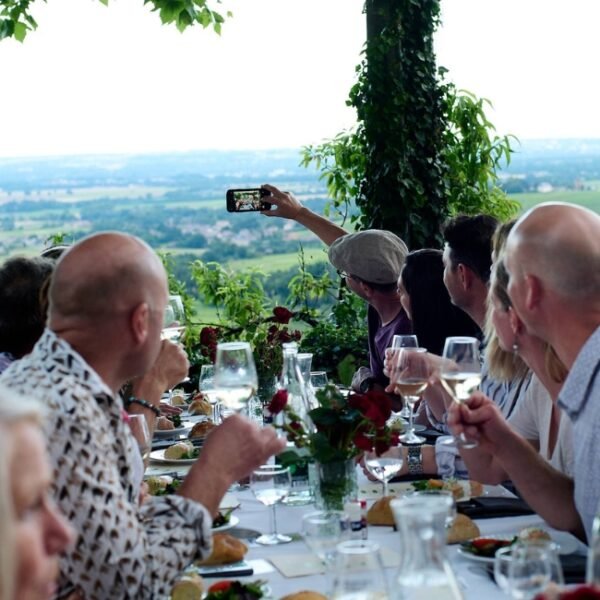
x: 104, y: 275
x: 560, y: 245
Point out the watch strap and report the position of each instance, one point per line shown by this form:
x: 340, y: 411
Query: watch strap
x: 415, y: 460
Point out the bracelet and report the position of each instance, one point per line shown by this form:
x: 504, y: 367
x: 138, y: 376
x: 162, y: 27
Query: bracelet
x: 144, y: 403
x: 415, y: 460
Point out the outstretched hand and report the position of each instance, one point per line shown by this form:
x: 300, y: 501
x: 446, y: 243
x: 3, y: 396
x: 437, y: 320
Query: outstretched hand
x: 287, y: 206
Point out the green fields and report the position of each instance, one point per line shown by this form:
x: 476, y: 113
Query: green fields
x: 589, y: 199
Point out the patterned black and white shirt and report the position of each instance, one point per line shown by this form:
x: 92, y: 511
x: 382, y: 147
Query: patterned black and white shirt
x: 123, y: 550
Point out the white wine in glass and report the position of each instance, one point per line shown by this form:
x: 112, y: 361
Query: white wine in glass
x: 235, y: 377
x: 270, y: 485
x: 174, y: 319
x: 384, y: 467
x: 461, y: 375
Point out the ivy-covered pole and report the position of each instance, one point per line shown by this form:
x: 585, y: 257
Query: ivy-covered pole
x: 400, y: 103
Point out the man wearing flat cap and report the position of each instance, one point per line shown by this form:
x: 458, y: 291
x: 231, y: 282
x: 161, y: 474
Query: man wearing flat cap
x: 371, y: 262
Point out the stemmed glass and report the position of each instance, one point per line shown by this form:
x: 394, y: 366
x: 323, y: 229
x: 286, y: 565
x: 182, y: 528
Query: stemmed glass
x: 411, y: 378
x: 384, y: 467
x: 141, y: 433
x: 318, y: 379
x: 460, y: 375
x: 206, y: 383
x: 235, y: 375
x: 270, y: 485
x: 322, y: 531
x: 403, y: 341
x: 174, y: 319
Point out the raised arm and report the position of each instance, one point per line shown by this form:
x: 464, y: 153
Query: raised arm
x: 289, y: 207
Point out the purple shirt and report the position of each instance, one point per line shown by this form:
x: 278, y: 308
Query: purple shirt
x: 380, y: 338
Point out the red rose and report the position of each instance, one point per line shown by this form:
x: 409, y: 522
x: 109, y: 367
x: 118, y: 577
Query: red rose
x: 359, y: 401
x: 282, y: 314
x: 208, y: 336
x: 383, y: 402
x: 278, y: 402
x: 363, y: 442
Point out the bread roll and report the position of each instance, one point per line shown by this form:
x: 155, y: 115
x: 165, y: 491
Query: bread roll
x: 201, y: 429
x: 381, y: 513
x: 463, y: 529
x: 164, y: 424
x: 178, y: 400
x: 200, y: 406
x: 305, y: 595
x: 189, y: 587
x: 176, y: 451
x: 226, y: 549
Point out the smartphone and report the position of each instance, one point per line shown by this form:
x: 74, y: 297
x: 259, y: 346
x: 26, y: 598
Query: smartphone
x: 249, y: 199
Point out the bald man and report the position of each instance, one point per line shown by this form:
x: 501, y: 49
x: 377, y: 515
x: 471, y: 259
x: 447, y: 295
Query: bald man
x: 107, y: 300
x: 553, y: 258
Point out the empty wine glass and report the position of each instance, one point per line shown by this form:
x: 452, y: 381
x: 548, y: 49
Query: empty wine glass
x: 502, y: 560
x: 174, y: 319
x: 322, y: 531
x: 206, y: 383
x: 139, y: 428
x: 384, y: 467
x: 318, y: 379
x: 270, y: 484
x: 235, y: 375
x: 411, y: 377
x: 529, y: 571
x: 460, y: 375
x: 359, y: 572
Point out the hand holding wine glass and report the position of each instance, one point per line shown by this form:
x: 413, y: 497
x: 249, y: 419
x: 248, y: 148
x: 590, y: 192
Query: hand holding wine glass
x: 460, y: 375
x: 235, y: 377
x: 270, y: 485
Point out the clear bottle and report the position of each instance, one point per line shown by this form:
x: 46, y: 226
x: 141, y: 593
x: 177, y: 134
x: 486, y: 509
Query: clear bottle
x: 293, y: 381
x: 424, y: 571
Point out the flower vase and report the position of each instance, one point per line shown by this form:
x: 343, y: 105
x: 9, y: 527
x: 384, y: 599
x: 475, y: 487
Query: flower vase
x: 336, y: 484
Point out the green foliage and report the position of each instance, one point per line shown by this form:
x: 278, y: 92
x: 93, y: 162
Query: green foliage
x: 421, y: 151
x: 16, y: 20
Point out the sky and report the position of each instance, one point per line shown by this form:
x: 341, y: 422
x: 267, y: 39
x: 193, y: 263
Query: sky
x: 97, y: 79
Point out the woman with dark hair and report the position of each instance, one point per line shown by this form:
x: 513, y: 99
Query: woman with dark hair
x: 427, y: 303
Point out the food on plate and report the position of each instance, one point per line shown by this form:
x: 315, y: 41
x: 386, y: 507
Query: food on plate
x: 461, y: 488
x: 226, y: 550
x: 463, y: 529
x: 189, y: 587
x: 223, y: 517
x: 178, y: 399
x: 396, y: 425
x: 181, y: 451
x: 201, y: 429
x: 533, y: 534
x: 380, y: 512
x: 176, y: 420
x: 235, y: 590
x: 164, y: 424
x: 200, y: 406
x: 486, y: 546
x: 305, y: 595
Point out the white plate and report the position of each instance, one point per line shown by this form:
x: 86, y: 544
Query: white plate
x: 373, y: 490
x: 162, y: 434
x: 233, y: 521
x: 566, y: 543
x: 158, y: 456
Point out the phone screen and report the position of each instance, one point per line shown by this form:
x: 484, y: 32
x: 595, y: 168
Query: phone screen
x: 245, y: 200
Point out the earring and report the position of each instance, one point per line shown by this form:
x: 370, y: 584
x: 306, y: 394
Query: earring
x: 515, y: 347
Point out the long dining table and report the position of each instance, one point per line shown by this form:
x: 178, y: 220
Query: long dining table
x: 474, y: 577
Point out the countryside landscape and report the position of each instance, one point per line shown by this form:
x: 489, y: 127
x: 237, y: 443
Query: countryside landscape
x: 176, y: 202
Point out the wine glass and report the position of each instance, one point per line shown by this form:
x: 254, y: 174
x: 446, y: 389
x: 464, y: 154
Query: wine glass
x: 141, y: 433
x: 460, y: 375
x: 318, y: 379
x: 322, y: 531
x: 411, y: 377
x: 359, y: 571
x: 235, y: 377
x: 206, y: 383
x: 402, y: 341
x: 384, y: 467
x: 174, y: 319
x: 529, y: 571
x: 270, y: 485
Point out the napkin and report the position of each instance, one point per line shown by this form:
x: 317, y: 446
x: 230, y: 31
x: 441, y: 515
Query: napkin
x: 490, y: 507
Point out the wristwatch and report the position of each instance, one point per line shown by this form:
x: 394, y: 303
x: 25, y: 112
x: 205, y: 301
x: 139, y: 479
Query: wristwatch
x: 415, y: 460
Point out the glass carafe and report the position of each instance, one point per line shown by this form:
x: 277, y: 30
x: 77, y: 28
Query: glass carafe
x: 305, y: 365
x: 424, y: 571
x: 293, y: 381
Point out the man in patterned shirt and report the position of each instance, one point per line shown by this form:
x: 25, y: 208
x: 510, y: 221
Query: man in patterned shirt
x: 553, y: 258
x: 107, y: 300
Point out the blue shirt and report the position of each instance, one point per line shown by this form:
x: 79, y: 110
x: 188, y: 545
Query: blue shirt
x: 580, y: 399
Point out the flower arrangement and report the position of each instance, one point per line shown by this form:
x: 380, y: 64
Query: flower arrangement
x: 340, y: 427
